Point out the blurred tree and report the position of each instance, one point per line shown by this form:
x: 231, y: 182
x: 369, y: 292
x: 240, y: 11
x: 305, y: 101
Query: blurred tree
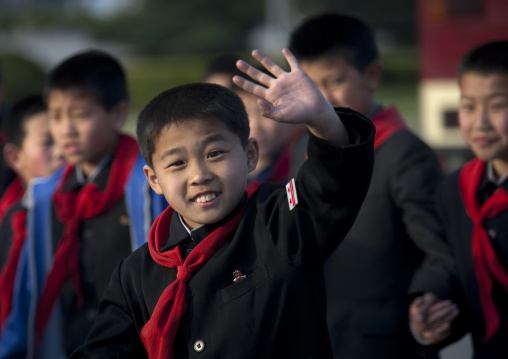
x: 178, y: 27
x: 20, y: 77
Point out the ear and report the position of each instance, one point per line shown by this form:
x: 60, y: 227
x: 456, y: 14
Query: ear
x: 373, y: 73
x: 152, y: 179
x: 252, y: 153
x: 120, y: 113
x: 12, y: 157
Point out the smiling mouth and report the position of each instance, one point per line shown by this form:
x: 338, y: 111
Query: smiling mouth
x: 205, y: 198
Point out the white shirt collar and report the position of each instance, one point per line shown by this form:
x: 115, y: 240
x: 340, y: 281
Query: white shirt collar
x: 82, y: 179
x: 492, y: 177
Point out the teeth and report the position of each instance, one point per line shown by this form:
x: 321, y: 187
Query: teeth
x: 206, y: 198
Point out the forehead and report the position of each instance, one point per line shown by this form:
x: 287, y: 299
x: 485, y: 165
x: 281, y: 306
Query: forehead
x: 476, y: 84
x: 58, y: 98
x: 37, y: 123
x: 329, y: 64
x: 192, y: 132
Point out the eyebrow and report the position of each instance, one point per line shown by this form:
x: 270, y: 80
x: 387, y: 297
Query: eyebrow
x: 217, y: 137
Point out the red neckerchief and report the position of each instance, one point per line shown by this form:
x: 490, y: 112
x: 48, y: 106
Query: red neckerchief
x: 12, y: 194
x: 487, y: 266
x: 159, y: 331
x: 8, y: 274
x: 387, y: 122
x: 72, y: 208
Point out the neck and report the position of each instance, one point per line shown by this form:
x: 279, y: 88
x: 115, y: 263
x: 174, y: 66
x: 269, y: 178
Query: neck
x: 262, y: 164
x: 500, y: 167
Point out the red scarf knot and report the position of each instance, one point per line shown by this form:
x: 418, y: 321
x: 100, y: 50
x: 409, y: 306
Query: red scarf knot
x: 159, y: 331
x: 487, y: 266
x: 183, y: 274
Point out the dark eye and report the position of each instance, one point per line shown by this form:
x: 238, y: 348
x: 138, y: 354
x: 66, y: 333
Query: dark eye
x: 213, y: 154
x: 176, y: 164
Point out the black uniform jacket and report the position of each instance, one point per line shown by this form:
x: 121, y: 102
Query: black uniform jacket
x: 368, y: 276
x: 278, y: 309
x: 449, y: 273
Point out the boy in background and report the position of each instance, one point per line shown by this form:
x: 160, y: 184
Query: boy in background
x: 465, y: 287
x: 30, y: 151
x: 86, y: 217
x: 368, y: 276
x: 230, y: 273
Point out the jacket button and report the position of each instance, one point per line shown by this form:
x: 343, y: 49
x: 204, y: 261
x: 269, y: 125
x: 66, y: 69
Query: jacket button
x: 199, y: 346
x: 492, y: 233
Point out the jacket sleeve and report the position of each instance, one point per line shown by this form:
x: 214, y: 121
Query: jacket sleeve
x: 330, y: 187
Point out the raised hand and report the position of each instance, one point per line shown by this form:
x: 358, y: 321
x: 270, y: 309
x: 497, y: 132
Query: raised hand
x: 291, y: 97
x: 431, y: 317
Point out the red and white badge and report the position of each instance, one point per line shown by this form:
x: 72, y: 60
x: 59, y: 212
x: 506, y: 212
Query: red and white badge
x: 291, y: 192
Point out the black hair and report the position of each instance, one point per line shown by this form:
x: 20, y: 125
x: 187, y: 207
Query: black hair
x: 192, y: 101
x: 13, y: 126
x: 93, y: 72
x: 333, y: 34
x: 488, y: 58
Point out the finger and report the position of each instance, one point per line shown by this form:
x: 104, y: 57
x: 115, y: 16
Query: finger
x: 437, y: 335
x: 271, y: 66
x: 254, y: 73
x: 291, y: 59
x: 266, y: 109
x: 415, y: 309
x: 444, y: 314
x: 249, y: 86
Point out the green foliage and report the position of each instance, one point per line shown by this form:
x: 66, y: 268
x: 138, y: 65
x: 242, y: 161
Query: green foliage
x: 179, y: 27
x: 20, y: 77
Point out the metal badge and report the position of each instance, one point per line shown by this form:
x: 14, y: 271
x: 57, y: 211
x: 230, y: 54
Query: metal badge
x: 238, y: 276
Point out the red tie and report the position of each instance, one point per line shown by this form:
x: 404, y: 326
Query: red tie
x: 159, y: 331
x: 487, y: 266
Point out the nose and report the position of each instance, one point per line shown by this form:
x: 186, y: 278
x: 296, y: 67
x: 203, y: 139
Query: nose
x: 199, y: 173
x: 482, y: 120
x: 66, y: 126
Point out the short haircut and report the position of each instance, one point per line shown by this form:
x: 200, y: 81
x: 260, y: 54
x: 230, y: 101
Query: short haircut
x: 486, y: 59
x: 13, y: 126
x: 334, y: 34
x: 203, y: 101
x: 94, y: 73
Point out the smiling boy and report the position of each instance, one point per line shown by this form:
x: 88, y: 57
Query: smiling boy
x: 228, y: 273
x: 464, y: 287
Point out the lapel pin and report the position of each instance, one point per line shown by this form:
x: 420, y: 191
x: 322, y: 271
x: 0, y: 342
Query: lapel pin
x: 238, y: 276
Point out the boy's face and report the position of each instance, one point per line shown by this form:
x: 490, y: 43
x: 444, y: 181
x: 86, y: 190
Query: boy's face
x: 342, y: 84
x: 483, y: 115
x: 83, y: 128
x: 271, y: 135
x: 201, y: 169
x: 38, y: 155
